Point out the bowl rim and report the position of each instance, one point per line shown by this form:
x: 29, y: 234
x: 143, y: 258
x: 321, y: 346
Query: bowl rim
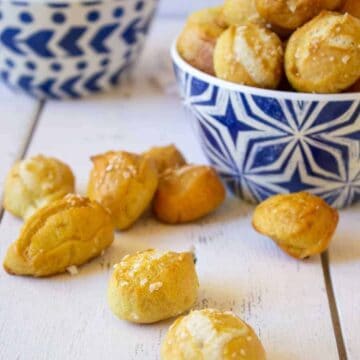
x: 297, y: 96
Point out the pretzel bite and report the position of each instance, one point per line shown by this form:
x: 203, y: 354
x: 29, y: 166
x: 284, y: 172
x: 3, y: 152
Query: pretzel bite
x: 324, y: 55
x: 301, y: 224
x: 123, y: 183
x: 66, y: 233
x: 288, y: 14
x: 187, y: 194
x: 197, y: 40
x: 239, y: 12
x: 211, y: 334
x: 352, y: 7
x: 36, y: 182
x: 250, y: 55
x: 166, y: 157
x: 152, y: 285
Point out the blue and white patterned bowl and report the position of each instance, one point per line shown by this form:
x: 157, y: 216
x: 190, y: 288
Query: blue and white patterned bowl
x: 70, y: 48
x: 265, y: 142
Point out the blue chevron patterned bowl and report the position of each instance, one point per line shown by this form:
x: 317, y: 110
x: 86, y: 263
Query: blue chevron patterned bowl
x: 70, y: 48
x: 265, y: 142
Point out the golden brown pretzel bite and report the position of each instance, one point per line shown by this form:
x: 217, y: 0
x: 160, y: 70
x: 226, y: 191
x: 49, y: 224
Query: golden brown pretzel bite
x: 324, y: 55
x: 35, y: 182
x: 250, y: 55
x: 211, y: 334
x: 301, y: 224
x: 153, y: 285
x: 198, y: 38
x: 63, y: 234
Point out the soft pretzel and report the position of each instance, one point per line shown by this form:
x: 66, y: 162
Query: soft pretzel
x: 36, y: 182
x: 65, y: 233
x: 153, y: 285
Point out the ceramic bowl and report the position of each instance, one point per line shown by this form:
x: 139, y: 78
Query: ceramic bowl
x: 265, y: 142
x: 70, y: 48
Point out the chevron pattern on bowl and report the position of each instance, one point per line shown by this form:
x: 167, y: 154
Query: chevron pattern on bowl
x: 69, y: 49
x: 268, y: 142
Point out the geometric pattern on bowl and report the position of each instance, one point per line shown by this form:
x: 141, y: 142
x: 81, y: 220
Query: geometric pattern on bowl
x: 264, y: 145
x: 73, y: 48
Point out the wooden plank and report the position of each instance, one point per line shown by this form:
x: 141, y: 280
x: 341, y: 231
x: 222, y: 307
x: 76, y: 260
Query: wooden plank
x: 68, y: 318
x: 344, y: 257
x: 17, y: 119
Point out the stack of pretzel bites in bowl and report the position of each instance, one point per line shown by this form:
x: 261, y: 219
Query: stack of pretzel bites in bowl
x: 273, y: 88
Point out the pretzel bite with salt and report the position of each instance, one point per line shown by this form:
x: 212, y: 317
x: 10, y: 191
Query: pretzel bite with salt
x: 211, y: 334
x: 153, y: 285
x: 324, y: 55
x: 250, y: 55
x: 60, y: 236
x: 197, y: 40
x: 188, y: 193
x: 301, y: 224
x: 36, y: 182
x: 165, y: 157
x: 288, y: 14
x: 124, y: 183
x: 239, y: 12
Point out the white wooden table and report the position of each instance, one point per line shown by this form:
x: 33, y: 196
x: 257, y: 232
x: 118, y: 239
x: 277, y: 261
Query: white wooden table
x: 302, y: 310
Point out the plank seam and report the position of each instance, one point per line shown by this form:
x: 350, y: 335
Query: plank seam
x: 333, y: 307
x: 22, y: 153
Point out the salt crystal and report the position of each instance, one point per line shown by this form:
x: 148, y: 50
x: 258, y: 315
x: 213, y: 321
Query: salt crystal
x: 155, y: 286
x: 47, y: 186
x: 143, y: 282
x: 345, y: 59
x: 292, y: 5
x: 126, y: 175
x: 132, y: 170
x: 72, y: 270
